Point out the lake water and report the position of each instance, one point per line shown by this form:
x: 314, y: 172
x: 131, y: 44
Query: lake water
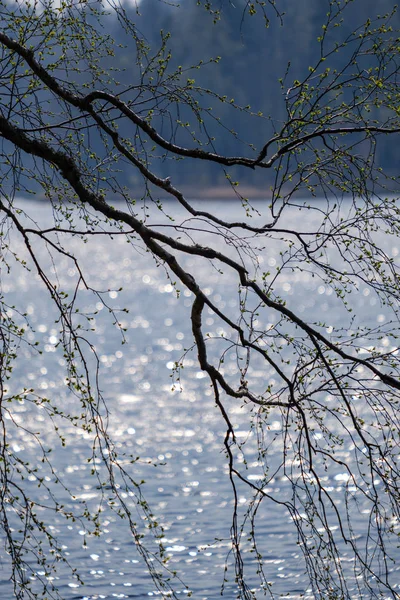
x: 189, y: 491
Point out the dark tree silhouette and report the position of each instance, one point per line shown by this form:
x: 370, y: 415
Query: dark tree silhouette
x: 72, y: 135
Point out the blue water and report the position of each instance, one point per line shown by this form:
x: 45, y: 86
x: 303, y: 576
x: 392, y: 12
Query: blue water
x: 172, y: 424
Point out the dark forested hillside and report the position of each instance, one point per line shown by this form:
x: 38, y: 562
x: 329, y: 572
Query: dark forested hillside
x: 225, y: 55
x: 256, y: 66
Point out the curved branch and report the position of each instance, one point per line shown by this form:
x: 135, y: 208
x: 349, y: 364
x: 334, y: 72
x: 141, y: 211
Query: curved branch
x: 70, y: 173
x: 85, y: 104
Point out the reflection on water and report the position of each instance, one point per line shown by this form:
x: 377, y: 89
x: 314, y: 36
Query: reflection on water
x: 171, y: 424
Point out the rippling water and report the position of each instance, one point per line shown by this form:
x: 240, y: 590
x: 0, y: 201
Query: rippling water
x: 181, y: 430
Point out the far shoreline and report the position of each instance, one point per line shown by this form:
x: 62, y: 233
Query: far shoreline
x: 191, y: 193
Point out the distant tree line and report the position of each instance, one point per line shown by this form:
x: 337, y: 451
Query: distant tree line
x: 251, y: 67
